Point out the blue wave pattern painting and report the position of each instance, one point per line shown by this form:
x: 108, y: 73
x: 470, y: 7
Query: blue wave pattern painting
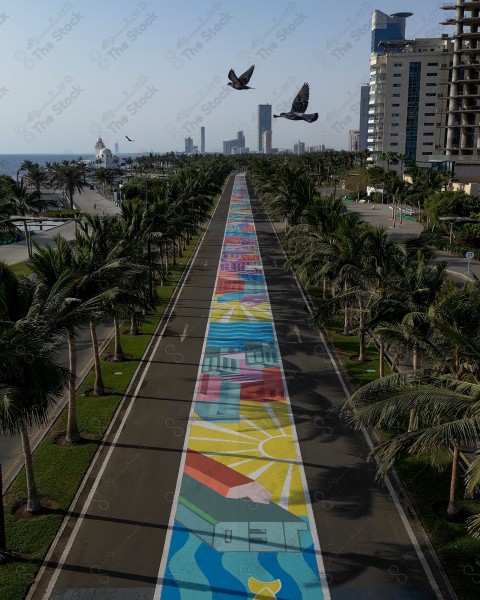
x: 241, y: 524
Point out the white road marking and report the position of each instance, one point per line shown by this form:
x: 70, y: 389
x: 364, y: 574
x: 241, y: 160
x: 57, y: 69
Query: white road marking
x: 184, y: 334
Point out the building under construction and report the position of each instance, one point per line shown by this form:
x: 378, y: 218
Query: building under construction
x: 463, y: 98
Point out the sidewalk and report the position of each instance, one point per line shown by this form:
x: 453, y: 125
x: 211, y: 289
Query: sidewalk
x: 382, y: 216
x: 88, y: 202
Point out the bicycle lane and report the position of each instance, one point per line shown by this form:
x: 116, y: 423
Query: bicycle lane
x: 242, y: 524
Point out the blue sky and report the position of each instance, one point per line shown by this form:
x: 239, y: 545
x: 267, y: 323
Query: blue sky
x: 157, y: 71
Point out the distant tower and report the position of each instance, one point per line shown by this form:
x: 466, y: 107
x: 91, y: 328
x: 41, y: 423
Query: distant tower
x: 188, y: 145
x: 117, y: 149
x: 264, y: 122
x: 299, y: 147
x: 267, y: 142
x: 202, y: 140
x: 99, y: 146
x: 241, y: 139
x: 353, y: 140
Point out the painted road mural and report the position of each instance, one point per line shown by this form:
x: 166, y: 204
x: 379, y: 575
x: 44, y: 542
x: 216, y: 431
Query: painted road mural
x: 242, y: 525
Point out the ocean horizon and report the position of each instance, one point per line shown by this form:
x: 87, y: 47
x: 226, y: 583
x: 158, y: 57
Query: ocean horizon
x: 10, y: 163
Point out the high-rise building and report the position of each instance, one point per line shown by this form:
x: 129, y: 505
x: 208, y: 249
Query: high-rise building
x: 264, y: 122
x: 267, y: 142
x: 463, y: 99
x: 299, y: 147
x: 117, y: 149
x: 202, y: 140
x: 407, y: 82
x: 353, y: 140
x: 363, y: 122
x: 188, y: 145
x: 387, y: 28
x: 240, y: 139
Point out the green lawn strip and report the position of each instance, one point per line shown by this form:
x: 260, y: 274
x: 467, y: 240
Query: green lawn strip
x: 60, y: 470
x: 346, y: 348
x: 21, y: 268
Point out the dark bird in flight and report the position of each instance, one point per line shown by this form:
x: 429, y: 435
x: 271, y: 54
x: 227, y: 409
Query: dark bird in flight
x: 240, y: 83
x: 299, y: 106
x: 129, y: 139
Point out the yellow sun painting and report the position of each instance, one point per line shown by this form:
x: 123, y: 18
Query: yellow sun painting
x: 260, y: 446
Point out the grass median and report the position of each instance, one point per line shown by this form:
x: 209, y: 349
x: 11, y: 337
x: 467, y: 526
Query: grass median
x: 59, y: 470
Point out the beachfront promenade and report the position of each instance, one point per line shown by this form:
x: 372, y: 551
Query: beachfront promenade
x: 229, y: 473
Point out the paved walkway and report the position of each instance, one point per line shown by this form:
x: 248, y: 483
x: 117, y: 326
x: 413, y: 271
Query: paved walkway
x: 89, y: 201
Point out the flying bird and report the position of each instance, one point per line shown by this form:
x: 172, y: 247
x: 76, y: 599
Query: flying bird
x: 129, y: 139
x: 240, y: 83
x: 299, y: 106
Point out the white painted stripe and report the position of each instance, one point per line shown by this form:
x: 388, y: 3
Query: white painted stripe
x: 241, y: 462
x: 215, y: 427
x: 393, y: 494
x: 230, y: 441
x: 260, y: 470
x: 254, y: 426
x: 88, y: 500
x: 284, y: 496
x: 268, y: 408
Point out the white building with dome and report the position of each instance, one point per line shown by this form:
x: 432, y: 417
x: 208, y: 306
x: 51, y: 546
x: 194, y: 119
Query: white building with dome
x: 103, y: 155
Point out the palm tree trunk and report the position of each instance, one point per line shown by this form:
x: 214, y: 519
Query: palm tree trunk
x: 98, y: 388
x: 415, y: 358
x: 453, y: 504
x: 72, y: 434
x: 133, y: 324
x: 411, y: 420
x: 325, y: 287
x: 346, y: 321
x: 118, y: 354
x: 3, y: 539
x: 361, y: 333
x: 33, y: 499
x: 381, y: 358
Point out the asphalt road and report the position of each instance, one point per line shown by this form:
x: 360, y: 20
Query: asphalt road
x: 113, y: 539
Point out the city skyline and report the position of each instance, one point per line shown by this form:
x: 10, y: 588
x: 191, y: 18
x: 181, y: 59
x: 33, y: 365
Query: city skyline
x: 74, y: 72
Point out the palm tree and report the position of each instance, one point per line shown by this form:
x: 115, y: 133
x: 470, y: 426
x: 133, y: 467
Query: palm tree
x: 36, y: 177
x: 389, y: 158
x: 67, y: 176
x: 447, y: 411
x: 103, y: 177
x: 30, y: 378
x: 58, y: 268
x: 401, y: 159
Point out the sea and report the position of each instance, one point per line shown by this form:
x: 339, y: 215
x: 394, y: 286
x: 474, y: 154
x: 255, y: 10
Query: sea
x: 10, y: 163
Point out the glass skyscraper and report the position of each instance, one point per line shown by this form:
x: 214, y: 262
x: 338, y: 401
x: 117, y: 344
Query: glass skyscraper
x: 387, y: 28
x: 264, y: 122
